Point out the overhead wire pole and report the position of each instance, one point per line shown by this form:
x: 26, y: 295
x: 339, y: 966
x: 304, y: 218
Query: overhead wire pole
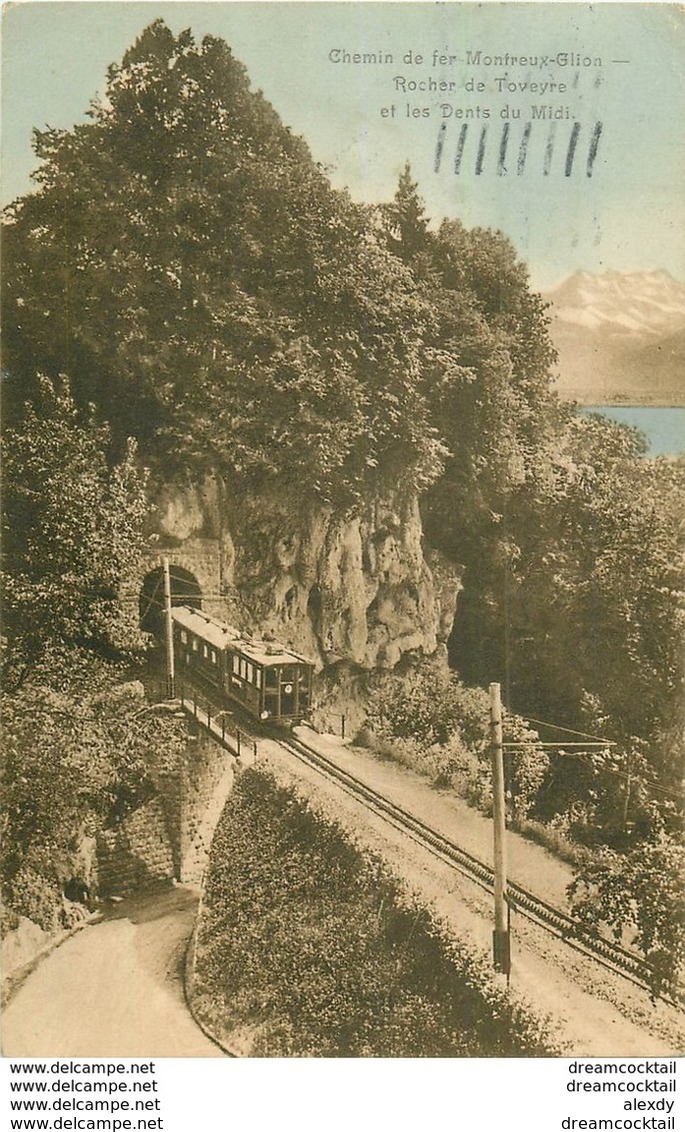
x: 501, y: 951
x: 501, y: 941
x: 169, y: 635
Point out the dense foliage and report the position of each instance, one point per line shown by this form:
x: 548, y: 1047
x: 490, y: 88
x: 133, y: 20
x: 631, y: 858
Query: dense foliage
x: 641, y: 892
x: 78, y: 747
x: 307, y: 948
x: 436, y: 724
x: 72, y: 529
x: 190, y: 267
x: 79, y: 739
x: 570, y: 539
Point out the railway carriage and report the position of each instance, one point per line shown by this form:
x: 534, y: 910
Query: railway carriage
x: 269, y: 680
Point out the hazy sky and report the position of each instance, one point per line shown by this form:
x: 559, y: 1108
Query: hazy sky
x: 623, y: 65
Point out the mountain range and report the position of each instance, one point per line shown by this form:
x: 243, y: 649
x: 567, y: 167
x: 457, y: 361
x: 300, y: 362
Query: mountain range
x: 620, y: 338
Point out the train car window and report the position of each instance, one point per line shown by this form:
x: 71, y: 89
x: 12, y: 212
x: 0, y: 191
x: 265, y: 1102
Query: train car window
x: 287, y: 673
x: 271, y: 677
x: 258, y: 677
x: 184, y: 636
x: 195, y: 642
x: 250, y: 673
x: 236, y: 664
x: 205, y: 651
x: 213, y: 656
x: 243, y: 668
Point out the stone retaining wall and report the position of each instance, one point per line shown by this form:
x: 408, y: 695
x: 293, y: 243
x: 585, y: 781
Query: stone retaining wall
x: 207, y: 782
x: 138, y: 854
x: 170, y: 837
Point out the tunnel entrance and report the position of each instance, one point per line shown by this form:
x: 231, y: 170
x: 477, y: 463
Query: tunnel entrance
x: 476, y: 646
x: 185, y: 590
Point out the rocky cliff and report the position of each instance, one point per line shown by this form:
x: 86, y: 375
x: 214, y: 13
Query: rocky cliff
x: 356, y: 592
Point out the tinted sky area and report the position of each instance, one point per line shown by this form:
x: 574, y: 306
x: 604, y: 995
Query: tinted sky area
x: 664, y: 428
x: 621, y: 66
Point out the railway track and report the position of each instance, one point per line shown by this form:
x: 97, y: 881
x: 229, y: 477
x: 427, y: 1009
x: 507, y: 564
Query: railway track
x: 609, y: 954
x: 606, y: 952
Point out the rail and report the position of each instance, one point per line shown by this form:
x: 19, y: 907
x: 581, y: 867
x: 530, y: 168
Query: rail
x: 618, y: 958
x: 607, y: 952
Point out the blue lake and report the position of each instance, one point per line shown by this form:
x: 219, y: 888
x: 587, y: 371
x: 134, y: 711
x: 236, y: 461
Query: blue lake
x: 663, y: 427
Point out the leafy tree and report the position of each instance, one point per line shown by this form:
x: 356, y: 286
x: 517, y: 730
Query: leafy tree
x: 487, y: 358
x: 600, y: 557
x: 78, y: 751
x: 490, y: 389
x: 190, y: 267
x: 72, y: 531
x: 579, y: 609
x: 568, y: 537
x: 641, y: 892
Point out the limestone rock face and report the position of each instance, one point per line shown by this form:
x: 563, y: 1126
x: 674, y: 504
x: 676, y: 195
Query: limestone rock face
x: 346, y: 589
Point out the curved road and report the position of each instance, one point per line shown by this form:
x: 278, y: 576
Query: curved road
x: 114, y: 989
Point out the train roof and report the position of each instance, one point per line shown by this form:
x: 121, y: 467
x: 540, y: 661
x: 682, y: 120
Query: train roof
x: 268, y: 652
x: 223, y: 636
x: 215, y: 632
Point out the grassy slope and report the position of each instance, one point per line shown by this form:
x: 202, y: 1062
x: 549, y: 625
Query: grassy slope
x: 309, y: 947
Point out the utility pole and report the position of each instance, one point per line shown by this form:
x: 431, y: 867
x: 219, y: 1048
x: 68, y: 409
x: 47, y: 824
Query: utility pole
x: 169, y: 625
x: 500, y: 937
x: 626, y: 791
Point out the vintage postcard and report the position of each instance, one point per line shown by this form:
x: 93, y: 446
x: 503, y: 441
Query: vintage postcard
x: 343, y: 433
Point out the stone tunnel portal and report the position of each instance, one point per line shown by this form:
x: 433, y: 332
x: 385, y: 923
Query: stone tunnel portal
x: 185, y: 590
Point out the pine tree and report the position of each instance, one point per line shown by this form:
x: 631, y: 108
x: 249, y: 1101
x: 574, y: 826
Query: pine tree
x: 405, y: 221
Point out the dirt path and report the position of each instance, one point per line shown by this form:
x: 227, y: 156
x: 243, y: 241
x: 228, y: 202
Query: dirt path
x: 116, y: 988
x: 113, y: 989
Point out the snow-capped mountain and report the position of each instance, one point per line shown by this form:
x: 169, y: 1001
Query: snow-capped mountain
x: 620, y: 337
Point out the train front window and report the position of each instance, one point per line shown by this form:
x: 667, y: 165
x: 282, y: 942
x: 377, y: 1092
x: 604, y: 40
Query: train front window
x: 236, y: 664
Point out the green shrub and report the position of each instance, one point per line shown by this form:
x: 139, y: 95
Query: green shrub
x: 431, y: 722
x: 557, y: 837
x: 641, y: 892
x: 37, y: 897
